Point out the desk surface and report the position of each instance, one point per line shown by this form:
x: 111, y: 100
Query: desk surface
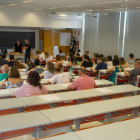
x: 11, y: 103
x: 15, y: 54
x: 102, y: 107
x: 41, y: 99
x: 65, y: 113
x: 24, y: 77
x: 120, y: 74
x: 114, y: 131
x: 22, y: 120
x: 68, y: 136
x: 22, y: 73
x: 129, y: 102
x: 55, y: 87
x: 5, y: 92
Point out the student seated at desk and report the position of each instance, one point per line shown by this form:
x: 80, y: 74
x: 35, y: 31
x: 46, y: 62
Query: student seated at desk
x: 116, y: 68
x: 72, y: 62
x: 83, y: 82
x: 123, y: 63
x: 40, y: 55
x: 18, y: 65
x: 104, y: 58
x: 48, y: 57
x: 61, y: 54
x: 135, y: 72
x: 116, y: 57
x: 78, y: 58
x: 33, y: 67
x: 49, y: 71
x: 5, y: 69
x: 86, y: 62
x: 78, y: 51
x: 34, y: 87
x: 95, y: 58
x: 3, y: 61
x: 13, y: 80
x: 59, y: 78
x: 58, y: 59
x: 11, y: 62
x: 109, y: 60
x: 101, y: 65
x: 132, y: 60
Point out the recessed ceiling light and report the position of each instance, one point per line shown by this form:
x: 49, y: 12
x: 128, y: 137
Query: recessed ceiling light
x: 11, y: 4
x: 75, y: 5
x: 53, y: 8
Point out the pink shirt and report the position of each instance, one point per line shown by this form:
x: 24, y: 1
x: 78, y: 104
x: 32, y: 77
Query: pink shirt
x: 83, y: 82
x: 28, y: 90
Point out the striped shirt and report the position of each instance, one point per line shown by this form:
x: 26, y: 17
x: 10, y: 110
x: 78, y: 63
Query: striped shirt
x: 28, y: 90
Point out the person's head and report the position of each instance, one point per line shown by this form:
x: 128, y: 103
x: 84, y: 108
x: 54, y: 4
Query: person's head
x: 101, y: 55
x: 86, y: 57
x: 50, y: 67
x: 73, y: 38
x: 82, y: 71
x: 13, y: 73
x: 38, y: 52
x: 122, y: 61
x: 116, y: 57
x: 3, y: 56
x: 47, y: 54
x: 18, y: 42
x: 64, y: 57
x: 77, y: 55
x: 57, y: 69
x: 109, y: 58
x: 73, y: 60
x: 26, y: 41
x: 71, y: 54
x: 34, y: 79
x: 58, y: 58
x: 5, y: 68
x: 78, y: 51
x: 60, y: 51
x: 116, y: 62
x: 17, y: 64
x: 11, y: 57
x: 99, y: 60
x: 94, y: 54
x: 31, y: 65
x: 97, y: 55
x: 131, y: 56
x: 137, y: 63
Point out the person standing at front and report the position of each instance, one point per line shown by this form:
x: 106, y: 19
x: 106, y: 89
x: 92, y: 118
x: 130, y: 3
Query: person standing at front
x: 72, y: 45
x: 28, y: 50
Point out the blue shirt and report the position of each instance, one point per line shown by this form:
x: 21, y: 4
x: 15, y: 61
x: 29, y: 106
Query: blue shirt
x: 3, y: 76
x: 101, y: 66
x: 62, y: 54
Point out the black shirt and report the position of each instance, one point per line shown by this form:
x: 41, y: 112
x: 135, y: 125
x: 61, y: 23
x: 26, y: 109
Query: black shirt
x: 28, y: 51
x: 11, y: 63
x: 72, y: 44
x: 2, y: 62
x: 79, y: 59
x: 18, y: 48
x: 87, y: 64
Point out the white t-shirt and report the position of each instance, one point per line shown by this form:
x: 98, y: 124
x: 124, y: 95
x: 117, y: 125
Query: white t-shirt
x: 48, y: 74
x: 61, y: 78
x: 109, y: 63
x: 49, y: 58
x: 42, y: 56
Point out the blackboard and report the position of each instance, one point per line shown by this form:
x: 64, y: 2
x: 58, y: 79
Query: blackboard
x: 8, y: 39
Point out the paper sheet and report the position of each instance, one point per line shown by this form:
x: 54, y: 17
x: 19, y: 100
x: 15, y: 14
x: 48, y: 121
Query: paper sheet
x: 49, y: 97
x: 104, y: 90
x: 65, y: 85
x: 98, y: 82
x: 13, y: 89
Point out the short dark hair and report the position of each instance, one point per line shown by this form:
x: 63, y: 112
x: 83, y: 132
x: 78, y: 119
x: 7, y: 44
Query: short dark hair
x: 78, y: 54
x: 57, y: 68
x: 60, y: 51
x: 116, y: 57
x: 101, y: 55
x: 109, y: 58
x: 97, y: 55
x: 11, y: 57
x: 3, y: 56
x: 100, y: 58
x: 131, y: 55
x: 116, y: 62
x: 78, y: 50
x: 34, y: 79
x: 82, y: 70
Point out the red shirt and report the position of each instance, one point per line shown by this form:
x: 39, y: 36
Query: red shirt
x: 83, y: 82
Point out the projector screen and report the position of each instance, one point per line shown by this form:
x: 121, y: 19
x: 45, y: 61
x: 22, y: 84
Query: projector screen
x: 64, y: 39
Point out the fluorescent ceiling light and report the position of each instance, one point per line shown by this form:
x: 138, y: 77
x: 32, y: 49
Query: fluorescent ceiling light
x: 12, y: 4
x: 107, y: 2
x: 75, y: 5
x: 53, y: 8
x: 27, y: 1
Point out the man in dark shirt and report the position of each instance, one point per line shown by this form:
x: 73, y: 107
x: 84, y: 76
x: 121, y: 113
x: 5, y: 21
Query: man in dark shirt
x: 3, y: 61
x: 78, y: 58
x: 17, y: 47
x: 73, y: 45
x: 135, y: 72
x: 100, y: 65
x: 11, y: 62
x: 28, y: 50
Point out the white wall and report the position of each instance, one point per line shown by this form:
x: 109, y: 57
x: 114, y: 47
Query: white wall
x: 105, y: 34
x: 23, y: 18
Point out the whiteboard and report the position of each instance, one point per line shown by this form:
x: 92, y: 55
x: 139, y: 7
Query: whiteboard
x: 64, y: 39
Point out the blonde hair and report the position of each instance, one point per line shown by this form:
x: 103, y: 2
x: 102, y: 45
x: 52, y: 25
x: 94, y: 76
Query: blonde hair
x: 64, y: 57
x: 50, y: 67
x: 122, y: 61
x: 58, y: 58
x: 47, y: 54
x: 13, y: 73
x: 38, y: 52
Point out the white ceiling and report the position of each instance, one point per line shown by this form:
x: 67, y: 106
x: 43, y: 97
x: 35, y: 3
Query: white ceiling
x: 80, y: 6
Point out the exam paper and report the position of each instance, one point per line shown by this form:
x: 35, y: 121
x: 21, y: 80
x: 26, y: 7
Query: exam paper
x: 104, y: 90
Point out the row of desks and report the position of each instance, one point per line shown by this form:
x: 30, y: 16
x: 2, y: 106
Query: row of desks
x: 65, y: 96
x: 50, y: 116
